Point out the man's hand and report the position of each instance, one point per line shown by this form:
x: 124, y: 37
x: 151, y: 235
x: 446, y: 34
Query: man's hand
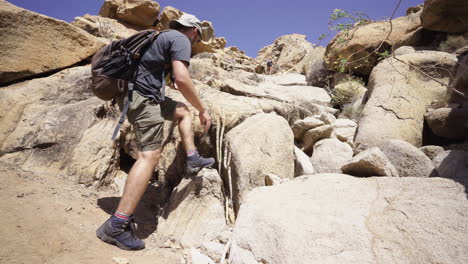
x: 205, y: 120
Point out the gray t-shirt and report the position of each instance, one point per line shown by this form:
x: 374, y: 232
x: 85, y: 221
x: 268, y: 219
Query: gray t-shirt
x: 150, y: 76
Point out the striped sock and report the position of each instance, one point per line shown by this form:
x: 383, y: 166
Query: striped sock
x: 122, y: 216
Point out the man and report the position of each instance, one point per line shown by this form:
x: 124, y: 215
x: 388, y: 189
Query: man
x: 269, y: 64
x: 148, y: 109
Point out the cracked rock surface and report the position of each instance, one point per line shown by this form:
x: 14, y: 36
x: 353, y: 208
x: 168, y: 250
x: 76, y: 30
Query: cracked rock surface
x: 400, y: 90
x: 321, y: 219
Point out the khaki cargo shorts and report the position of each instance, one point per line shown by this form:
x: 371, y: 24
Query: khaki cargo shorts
x: 147, y: 118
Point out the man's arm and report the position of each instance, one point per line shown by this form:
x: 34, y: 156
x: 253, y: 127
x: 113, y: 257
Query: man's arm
x: 185, y: 85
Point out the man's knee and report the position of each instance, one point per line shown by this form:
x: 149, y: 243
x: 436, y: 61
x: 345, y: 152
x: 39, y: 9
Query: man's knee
x: 182, y: 111
x: 151, y: 156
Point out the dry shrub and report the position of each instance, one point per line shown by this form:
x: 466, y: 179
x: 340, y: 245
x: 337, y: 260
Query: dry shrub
x: 347, y: 91
x: 454, y: 42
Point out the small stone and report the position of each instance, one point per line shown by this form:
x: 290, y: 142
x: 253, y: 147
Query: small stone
x: 20, y: 195
x: 69, y: 209
x: 120, y: 260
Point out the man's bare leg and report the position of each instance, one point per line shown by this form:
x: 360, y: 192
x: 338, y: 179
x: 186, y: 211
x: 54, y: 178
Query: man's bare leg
x: 137, y: 180
x: 142, y: 170
x: 184, y: 118
x: 195, y: 162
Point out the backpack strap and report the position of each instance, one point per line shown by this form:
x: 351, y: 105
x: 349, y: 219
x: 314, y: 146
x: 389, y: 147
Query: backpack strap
x: 128, y: 99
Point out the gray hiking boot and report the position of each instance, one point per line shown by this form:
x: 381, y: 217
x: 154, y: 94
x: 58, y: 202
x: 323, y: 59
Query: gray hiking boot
x: 120, y: 233
x: 196, y: 162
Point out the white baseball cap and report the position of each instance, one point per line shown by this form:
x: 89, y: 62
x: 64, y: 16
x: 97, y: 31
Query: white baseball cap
x: 187, y: 20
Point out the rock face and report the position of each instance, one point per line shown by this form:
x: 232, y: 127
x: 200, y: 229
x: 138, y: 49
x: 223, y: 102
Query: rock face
x: 104, y: 27
x: 407, y: 159
x: 136, y: 12
x: 195, y: 212
x: 320, y: 219
x: 310, y: 98
x: 400, y: 94
x: 359, y: 51
x: 449, y: 122
x: 93, y: 158
x: 317, y: 72
x: 452, y: 164
x: 370, y: 162
x: 260, y: 145
x: 32, y: 44
x: 45, y: 127
x: 289, y: 53
x: 330, y: 155
x: 445, y: 15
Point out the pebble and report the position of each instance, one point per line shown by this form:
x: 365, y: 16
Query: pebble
x: 120, y: 260
x: 20, y: 195
x: 69, y: 209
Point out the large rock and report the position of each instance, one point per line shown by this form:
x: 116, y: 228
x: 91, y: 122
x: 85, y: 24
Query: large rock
x: 330, y: 155
x: 54, y: 125
x: 260, y: 145
x: 357, y: 50
x: 136, y: 12
x: 289, y: 53
x: 313, y: 135
x: 195, y: 213
x: 449, y: 122
x: 370, y: 162
x: 168, y: 14
x: 460, y: 82
x: 320, y: 219
x: 407, y: 159
x: 32, y: 44
x: 344, y: 130
x: 317, y: 72
x: 94, y: 157
x: 400, y: 94
x: 104, y: 27
x: 452, y: 164
x: 445, y: 15
x: 307, y: 97
x: 301, y: 126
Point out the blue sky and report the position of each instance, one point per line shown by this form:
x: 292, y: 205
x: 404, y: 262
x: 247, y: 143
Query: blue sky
x: 247, y: 24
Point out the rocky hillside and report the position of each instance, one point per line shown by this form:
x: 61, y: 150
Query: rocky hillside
x: 353, y: 153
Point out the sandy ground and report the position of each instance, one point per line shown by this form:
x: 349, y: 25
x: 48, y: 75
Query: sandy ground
x: 45, y: 219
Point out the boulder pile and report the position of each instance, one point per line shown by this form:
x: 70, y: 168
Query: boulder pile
x: 366, y: 163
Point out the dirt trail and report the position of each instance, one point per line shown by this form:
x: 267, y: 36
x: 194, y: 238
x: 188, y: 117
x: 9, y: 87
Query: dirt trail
x: 50, y: 220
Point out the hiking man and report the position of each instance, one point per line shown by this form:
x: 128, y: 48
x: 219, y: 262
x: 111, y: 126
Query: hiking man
x: 269, y: 64
x: 148, y: 109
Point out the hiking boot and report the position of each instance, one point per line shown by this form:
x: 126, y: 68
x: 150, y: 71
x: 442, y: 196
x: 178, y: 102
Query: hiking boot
x: 196, y: 162
x: 122, y: 235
